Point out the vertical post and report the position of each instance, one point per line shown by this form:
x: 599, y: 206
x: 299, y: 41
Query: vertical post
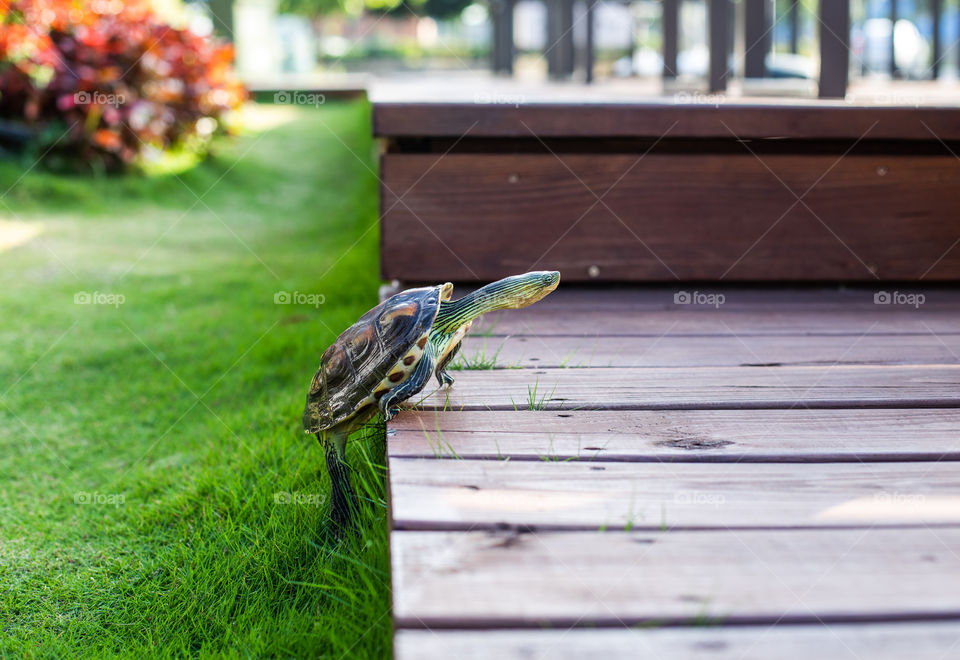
x: 794, y: 16
x: 893, y: 33
x: 757, y: 29
x: 501, y: 50
x: 560, y: 53
x: 834, y: 48
x: 936, y: 8
x: 588, y: 60
x: 719, y: 32
x: 671, y: 37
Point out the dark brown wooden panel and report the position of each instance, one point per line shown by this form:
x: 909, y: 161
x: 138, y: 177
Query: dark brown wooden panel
x: 795, y: 119
x: 889, y: 641
x: 457, y: 579
x: 733, y: 436
x: 665, y: 217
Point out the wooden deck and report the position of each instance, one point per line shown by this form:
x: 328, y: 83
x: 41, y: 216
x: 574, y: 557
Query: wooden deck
x: 775, y: 476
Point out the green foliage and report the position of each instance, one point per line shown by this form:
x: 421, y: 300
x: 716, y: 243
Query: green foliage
x: 157, y: 495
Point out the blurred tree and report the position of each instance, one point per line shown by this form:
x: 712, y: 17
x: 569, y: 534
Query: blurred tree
x: 433, y: 8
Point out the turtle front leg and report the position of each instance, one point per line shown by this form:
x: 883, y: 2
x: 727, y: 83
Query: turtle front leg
x: 443, y: 377
x: 343, y: 498
x: 412, y: 385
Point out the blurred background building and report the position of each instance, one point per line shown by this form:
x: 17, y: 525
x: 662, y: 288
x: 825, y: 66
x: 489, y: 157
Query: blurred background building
x: 536, y: 40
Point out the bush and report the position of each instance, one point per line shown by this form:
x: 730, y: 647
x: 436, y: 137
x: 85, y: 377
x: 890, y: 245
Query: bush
x: 99, y: 82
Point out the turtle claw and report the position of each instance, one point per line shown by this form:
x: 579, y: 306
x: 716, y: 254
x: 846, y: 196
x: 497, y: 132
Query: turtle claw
x: 446, y: 380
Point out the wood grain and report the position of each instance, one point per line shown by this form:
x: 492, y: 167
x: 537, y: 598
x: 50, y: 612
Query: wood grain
x: 890, y: 641
x: 470, y: 494
x: 655, y: 388
x: 655, y: 119
x: 474, y: 579
x: 669, y: 217
x: 730, y: 350
x: 797, y: 435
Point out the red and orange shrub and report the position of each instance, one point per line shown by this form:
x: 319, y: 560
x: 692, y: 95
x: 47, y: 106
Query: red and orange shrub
x: 99, y: 81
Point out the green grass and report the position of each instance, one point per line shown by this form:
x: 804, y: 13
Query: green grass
x: 147, y: 448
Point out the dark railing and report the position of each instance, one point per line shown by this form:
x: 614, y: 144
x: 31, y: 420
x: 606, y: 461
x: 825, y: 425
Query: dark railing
x: 834, y: 30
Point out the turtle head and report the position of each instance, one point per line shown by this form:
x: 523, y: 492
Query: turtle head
x: 523, y: 290
x: 509, y: 293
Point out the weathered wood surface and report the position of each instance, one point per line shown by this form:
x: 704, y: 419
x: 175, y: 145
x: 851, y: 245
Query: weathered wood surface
x: 657, y: 388
x: 669, y: 217
x: 651, y: 311
x: 728, y: 350
x: 772, y: 119
x: 661, y: 483
x: 793, y: 435
x: 470, y: 579
x: 591, y: 495
x: 888, y: 641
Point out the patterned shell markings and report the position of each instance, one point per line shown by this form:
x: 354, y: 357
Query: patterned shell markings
x: 362, y: 356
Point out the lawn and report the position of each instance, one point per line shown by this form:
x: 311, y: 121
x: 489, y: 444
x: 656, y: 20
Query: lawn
x: 159, y: 497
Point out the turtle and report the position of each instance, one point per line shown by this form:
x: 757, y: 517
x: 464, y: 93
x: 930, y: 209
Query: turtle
x: 389, y: 355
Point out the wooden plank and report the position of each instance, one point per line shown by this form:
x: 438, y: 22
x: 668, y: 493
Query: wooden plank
x: 669, y: 351
x: 793, y: 118
x: 700, y: 321
x: 652, y: 311
x: 657, y: 388
x: 547, y: 495
x: 474, y: 579
x: 887, y: 641
x: 667, y: 217
x: 681, y: 435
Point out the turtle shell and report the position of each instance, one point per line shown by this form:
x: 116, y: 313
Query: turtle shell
x: 363, y: 355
